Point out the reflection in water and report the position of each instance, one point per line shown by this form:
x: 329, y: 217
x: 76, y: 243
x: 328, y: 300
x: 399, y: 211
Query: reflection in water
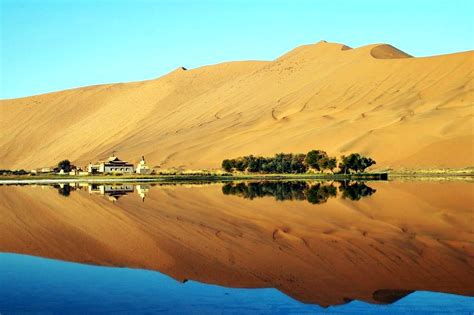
x: 112, y: 191
x: 64, y: 189
x: 314, y: 193
x: 298, y: 190
x: 355, y: 191
x: 84, y: 289
x: 370, y: 250
x: 390, y: 296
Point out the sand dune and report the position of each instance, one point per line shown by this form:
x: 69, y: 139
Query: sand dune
x: 406, y: 236
x: 377, y: 100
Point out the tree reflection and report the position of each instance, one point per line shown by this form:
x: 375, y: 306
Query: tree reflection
x: 355, y: 190
x: 315, y: 193
x: 279, y: 190
x: 320, y: 193
x: 64, y: 189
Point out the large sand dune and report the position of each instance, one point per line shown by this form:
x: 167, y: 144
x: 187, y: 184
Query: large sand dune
x: 377, y: 100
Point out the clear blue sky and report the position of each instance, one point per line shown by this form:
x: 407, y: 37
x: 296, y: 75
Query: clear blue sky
x: 53, y: 45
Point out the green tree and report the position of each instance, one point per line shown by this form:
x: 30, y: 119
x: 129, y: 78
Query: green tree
x: 328, y: 163
x: 283, y: 162
x: 355, y: 162
x: 253, y: 163
x: 313, y: 158
x: 65, y: 165
x: 364, y: 162
x: 298, y: 163
x: 268, y: 165
x: 240, y: 164
x: 227, y: 165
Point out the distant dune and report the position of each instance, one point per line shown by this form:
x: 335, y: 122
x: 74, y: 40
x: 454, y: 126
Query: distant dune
x: 376, y: 100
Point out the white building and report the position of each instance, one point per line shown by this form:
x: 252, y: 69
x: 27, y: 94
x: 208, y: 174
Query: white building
x: 142, y: 167
x: 112, y: 165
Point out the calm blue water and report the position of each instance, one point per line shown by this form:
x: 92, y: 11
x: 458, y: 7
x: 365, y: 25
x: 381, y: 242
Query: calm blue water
x: 38, y: 285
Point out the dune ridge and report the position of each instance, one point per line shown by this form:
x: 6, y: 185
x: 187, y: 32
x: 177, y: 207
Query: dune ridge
x: 376, y: 100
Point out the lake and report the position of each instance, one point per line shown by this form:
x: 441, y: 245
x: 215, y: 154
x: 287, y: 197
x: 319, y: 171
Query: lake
x: 273, y: 247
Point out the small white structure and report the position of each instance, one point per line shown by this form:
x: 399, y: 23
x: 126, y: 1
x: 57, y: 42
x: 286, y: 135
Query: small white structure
x: 142, y: 167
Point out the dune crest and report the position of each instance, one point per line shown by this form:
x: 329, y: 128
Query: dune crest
x: 316, y: 96
x: 384, y: 51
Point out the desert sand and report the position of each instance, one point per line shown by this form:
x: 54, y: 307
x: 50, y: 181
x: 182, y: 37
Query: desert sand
x: 406, y: 236
x: 404, y: 112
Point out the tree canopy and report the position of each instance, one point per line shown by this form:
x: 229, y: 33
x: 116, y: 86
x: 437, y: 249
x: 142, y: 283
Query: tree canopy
x: 355, y: 162
x: 65, y: 165
x: 289, y: 163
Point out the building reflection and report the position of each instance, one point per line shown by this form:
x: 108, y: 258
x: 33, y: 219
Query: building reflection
x: 142, y: 191
x: 112, y: 191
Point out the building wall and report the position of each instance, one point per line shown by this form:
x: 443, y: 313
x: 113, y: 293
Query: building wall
x: 143, y: 170
x: 118, y: 169
x: 93, y: 168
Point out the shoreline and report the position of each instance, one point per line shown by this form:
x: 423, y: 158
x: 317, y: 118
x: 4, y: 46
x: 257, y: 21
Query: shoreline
x: 185, y: 178
x: 382, y: 176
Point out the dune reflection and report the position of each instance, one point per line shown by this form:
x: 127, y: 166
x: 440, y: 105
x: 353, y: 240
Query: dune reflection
x: 405, y: 237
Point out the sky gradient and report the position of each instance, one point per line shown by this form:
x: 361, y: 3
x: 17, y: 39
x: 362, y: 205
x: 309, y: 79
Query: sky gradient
x: 54, y: 45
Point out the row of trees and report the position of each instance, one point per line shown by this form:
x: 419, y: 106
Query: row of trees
x: 13, y: 172
x: 280, y: 163
x: 289, y: 163
x: 64, y: 165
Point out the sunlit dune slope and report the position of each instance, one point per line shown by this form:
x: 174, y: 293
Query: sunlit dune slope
x: 377, y: 100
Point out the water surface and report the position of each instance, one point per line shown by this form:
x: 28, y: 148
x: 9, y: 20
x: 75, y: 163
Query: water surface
x: 261, y: 247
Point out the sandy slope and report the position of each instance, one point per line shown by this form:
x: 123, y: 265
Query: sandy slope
x: 407, y: 236
x: 378, y: 100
